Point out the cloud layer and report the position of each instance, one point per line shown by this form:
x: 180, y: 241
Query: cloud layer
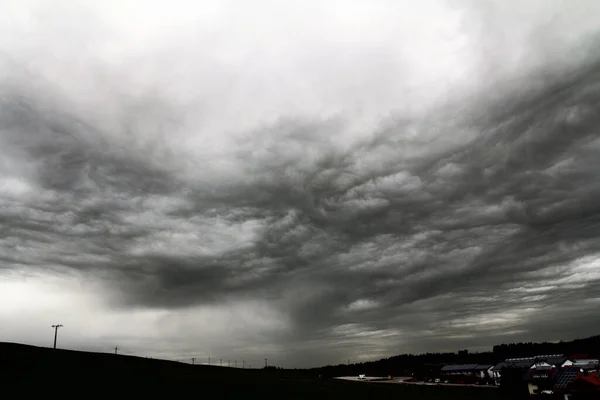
x: 307, y: 185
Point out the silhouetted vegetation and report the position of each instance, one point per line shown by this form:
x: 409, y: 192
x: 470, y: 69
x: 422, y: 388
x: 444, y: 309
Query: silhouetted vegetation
x: 589, y: 346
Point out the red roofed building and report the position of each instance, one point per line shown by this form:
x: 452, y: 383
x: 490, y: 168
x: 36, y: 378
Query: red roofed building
x: 586, y: 384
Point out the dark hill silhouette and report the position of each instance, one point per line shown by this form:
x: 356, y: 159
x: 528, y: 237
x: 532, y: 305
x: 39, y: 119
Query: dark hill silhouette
x: 25, y: 370
x: 40, y: 368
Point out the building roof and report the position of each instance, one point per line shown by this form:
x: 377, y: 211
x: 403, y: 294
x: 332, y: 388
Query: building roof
x: 584, y: 360
x: 565, y: 376
x: 499, y: 366
x: 537, y: 358
x: 509, y: 360
x: 527, y: 362
x: 458, y: 368
x: 520, y: 363
x: 513, y: 364
x: 594, y: 380
x: 537, y: 367
x: 556, y: 360
x: 585, y: 384
x: 587, y: 366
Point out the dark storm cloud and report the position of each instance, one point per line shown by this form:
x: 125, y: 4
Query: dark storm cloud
x: 475, y: 224
x: 483, y: 218
x: 515, y: 199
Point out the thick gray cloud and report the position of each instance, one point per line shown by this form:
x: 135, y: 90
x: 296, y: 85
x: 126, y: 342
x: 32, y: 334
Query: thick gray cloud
x: 212, y: 203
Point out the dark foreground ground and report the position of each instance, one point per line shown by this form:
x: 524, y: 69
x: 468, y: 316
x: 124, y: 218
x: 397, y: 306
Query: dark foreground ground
x: 26, y: 370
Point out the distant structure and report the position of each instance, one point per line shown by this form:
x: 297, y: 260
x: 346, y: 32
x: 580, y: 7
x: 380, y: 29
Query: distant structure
x: 56, y: 332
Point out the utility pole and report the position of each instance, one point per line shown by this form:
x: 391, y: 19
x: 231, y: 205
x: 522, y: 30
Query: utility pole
x: 116, y: 349
x: 266, y: 363
x: 193, y: 360
x: 56, y: 332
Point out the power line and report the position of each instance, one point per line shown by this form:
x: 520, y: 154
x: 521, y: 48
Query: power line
x: 56, y: 332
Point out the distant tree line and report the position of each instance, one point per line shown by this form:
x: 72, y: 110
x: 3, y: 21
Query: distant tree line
x: 429, y: 364
x: 589, y: 346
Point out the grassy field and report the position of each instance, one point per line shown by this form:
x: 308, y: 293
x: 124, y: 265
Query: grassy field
x: 30, y: 369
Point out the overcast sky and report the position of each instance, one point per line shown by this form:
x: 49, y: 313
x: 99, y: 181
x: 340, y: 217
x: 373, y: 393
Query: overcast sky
x: 303, y: 181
